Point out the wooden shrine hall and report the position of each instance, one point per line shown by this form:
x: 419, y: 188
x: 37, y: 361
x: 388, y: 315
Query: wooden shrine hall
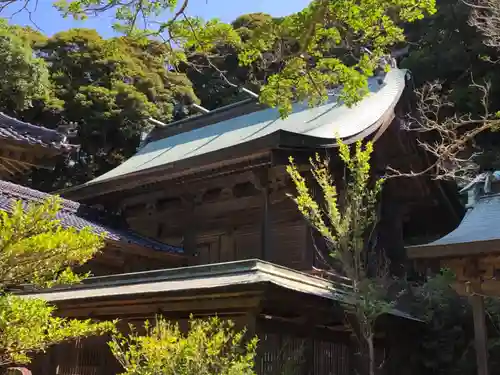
x: 214, y: 187
x: 216, y: 184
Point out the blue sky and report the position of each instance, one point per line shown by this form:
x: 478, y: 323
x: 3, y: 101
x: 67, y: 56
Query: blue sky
x: 50, y: 22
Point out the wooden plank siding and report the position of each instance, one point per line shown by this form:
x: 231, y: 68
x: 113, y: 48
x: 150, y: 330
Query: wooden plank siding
x: 227, y: 219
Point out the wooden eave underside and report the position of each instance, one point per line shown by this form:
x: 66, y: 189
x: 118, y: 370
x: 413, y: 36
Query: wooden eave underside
x: 16, y: 158
x: 262, y: 299
x: 118, y: 256
x: 460, y: 250
x: 114, y: 250
x: 476, y: 265
x: 211, y: 167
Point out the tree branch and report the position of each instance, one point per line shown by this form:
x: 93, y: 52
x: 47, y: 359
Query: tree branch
x: 448, y: 137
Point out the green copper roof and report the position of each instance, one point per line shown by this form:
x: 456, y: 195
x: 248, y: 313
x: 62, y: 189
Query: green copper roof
x: 321, y: 122
x: 208, y: 276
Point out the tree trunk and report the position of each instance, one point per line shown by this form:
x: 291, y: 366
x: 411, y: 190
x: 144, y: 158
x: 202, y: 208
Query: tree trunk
x: 371, y: 355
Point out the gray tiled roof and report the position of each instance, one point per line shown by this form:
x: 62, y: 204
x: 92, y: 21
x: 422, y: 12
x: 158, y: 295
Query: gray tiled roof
x: 17, y: 130
x: 481, y: 223
x: 74, y: 214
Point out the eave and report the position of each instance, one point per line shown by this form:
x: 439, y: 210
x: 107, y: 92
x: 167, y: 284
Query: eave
x: 248, y: 155
x: 189, y: 281
x: 232, y: 140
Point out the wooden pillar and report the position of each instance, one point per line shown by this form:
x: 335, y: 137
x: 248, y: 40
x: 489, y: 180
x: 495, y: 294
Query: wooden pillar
x: 480, y: 334
x: 265, y: 225
x: 260, y: 179
x: 189, y: 230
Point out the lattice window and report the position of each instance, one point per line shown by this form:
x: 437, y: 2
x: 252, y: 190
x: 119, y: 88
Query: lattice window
x: 288, y: 355
x: 85, y: 357
x: 331, y: 358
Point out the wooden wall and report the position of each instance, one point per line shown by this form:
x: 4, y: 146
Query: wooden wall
x: 241, y: 216
x: 246, y: 213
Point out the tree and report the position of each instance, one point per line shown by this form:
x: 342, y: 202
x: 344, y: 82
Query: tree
x: 456, y: 94
x: 23, y: 77
x: 217, y: 79
x: 362, y: 31
x: 485, y: 17
x: 35, y: 249
x: 344, y: 215
x: 210, y: 347
x: 109, y: 88
x: 452, y: 70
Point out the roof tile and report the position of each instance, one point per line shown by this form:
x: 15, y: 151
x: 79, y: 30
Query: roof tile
x: 74, y: 214
x: 479, y: 224
x: 17, y: 130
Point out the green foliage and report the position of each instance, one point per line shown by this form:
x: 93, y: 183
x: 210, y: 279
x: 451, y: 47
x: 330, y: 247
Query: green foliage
x: 325, y: 31
x: 35, y: 249
x: 28, y: 326
x: 446, y: 342
x: 211, y: 347
x: 109, y: 88
x: 248, y: 23
x: 23, y: 77
x: 330, y: 40
x: 210, y: 76
x: 344, y: 224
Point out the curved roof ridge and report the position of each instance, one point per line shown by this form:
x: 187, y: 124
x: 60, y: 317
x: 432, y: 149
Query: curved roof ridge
x: 320, y: 122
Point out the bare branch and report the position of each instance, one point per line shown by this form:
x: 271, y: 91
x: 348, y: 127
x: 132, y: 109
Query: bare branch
x: 485, y: 16
x: 447, y: 136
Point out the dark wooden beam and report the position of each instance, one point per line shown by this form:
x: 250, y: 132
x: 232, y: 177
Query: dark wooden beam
x: 128, y: 248
x: 261, y: 183
x: 18, y: 167
x: 265, y: 230
x: 190, y: 227
x: 480, y: 334
x: 6, y: 169
x: 270, y: 324
x: 32, y: 155
x: 168, y: 305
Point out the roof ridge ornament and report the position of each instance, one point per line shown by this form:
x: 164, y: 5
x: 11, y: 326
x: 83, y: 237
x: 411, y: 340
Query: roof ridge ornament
x: 480, y: 185
x: 68, y: 130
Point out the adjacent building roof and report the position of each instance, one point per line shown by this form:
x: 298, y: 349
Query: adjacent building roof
x: 477, y: 233
x: 74, y: 214
x: 19, y: 131
x: 201, y: 277
x: 225, y: 130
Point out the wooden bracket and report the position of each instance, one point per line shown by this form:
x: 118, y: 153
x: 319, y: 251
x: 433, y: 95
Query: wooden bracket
x: 260, y: 179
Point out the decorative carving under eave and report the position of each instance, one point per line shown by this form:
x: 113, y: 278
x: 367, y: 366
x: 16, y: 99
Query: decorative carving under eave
x: 227, y: 193
x: 259, y: 178
x: 480, y: 275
